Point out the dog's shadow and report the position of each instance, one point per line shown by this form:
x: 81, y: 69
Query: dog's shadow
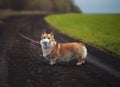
x: 71, y: 63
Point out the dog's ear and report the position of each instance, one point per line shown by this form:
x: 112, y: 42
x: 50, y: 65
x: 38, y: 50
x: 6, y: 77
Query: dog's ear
x: 43, y: 34
x: 44, y: 31
x: 52, y: 34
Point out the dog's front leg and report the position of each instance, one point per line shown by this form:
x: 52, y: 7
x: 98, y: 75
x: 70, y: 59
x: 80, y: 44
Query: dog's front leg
x: 45, y: 56
x: 52, y: 61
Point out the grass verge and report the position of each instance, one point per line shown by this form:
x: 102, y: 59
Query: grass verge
x: 100, y: 30
x: 6, y: 13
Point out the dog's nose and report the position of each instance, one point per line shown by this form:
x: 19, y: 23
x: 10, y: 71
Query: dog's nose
x: 45, y: 43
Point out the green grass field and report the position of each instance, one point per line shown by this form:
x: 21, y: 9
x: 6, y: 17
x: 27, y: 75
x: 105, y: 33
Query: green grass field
x: 100, y: 30
x: 3, y: 16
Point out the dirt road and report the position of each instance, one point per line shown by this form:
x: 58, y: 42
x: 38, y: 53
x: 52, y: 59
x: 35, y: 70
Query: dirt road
x: 22, y: 64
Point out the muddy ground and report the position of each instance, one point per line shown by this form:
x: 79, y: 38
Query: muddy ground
x: 22, y: 64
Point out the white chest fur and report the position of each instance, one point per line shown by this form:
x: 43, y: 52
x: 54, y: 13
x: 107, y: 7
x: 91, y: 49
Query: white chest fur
x: 47, y: 49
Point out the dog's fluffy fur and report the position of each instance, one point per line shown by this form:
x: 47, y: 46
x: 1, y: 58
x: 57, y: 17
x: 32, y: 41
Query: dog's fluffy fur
x: 63, y: 51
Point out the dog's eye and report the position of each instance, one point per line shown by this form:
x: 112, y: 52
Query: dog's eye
x: 48, y: 38
x: 44, y: 37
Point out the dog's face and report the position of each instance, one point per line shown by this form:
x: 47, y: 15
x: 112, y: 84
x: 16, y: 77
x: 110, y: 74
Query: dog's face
x: 47, y: 39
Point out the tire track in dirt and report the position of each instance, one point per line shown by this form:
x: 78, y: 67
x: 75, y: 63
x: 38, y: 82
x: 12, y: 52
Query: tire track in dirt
x: 25, y: 66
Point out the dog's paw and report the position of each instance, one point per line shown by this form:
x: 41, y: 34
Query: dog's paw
x: 79, y: 63
x: 83, y: 61
x: 52, y: 62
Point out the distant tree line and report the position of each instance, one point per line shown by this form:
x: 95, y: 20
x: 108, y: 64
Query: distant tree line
x: 43, y: 5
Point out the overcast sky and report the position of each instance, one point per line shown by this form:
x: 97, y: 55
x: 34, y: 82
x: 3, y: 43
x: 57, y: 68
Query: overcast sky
x: 99, y: 6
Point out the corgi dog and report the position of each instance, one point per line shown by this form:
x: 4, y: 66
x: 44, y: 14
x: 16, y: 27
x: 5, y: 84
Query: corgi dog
x: 63, y: 52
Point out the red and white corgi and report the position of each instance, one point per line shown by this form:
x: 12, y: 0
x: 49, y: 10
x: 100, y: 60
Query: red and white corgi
x: 62, y: 51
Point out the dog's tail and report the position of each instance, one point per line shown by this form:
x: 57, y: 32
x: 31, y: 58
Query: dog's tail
x: 84, y: 52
